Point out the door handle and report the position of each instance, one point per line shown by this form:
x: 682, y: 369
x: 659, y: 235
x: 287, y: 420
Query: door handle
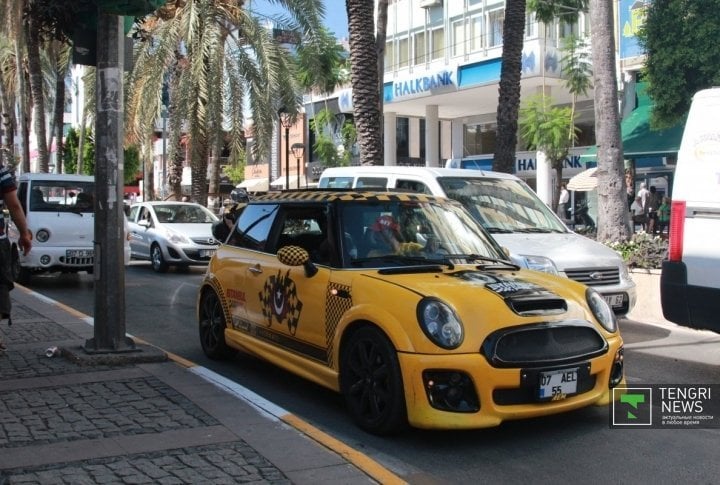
x: 255, y: 269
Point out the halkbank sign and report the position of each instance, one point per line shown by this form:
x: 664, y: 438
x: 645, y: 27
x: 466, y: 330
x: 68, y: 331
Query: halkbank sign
x: 426, y: 84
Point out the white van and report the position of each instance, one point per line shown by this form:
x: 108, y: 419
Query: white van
x: 690, y: 280
x: 60, y: 214
x: 515, y: 216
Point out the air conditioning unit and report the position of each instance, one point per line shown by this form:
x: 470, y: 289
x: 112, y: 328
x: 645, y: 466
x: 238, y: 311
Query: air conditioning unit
x: 430, y: 3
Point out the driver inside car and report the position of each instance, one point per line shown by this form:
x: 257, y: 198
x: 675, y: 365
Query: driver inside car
x: 385, y: 239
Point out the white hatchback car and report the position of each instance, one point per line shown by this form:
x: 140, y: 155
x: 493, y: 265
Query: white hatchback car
x: 171, y: 233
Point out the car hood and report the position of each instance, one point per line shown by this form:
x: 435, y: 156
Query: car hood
x: 567, y: 250
x: 192, y: 230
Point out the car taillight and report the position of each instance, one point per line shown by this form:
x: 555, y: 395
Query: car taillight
x: 677, y: 230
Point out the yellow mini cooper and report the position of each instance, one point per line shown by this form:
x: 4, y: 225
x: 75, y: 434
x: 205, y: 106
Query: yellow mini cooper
x: 406, y: 306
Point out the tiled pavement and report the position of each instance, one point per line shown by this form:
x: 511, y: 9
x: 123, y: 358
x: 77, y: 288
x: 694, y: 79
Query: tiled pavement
x: 67, y: 421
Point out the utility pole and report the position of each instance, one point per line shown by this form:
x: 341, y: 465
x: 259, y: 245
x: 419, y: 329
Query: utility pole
x: 109, y: 272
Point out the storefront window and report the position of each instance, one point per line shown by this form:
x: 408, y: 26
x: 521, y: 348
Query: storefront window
x: 478, y: 140
x: 402, y: 133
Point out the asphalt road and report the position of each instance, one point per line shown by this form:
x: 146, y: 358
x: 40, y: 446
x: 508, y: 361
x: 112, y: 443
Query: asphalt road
x: 577, y: 447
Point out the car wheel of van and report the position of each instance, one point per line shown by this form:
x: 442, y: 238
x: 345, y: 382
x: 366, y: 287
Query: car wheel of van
x: 371, y: 382
x: 212, y: 327
x: 157, y: 259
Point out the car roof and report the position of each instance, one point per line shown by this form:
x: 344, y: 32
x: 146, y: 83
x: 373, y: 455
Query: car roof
x: 409, y: 170
x: 165, y: 202
x: 56, y: 177
x: 325, y: 195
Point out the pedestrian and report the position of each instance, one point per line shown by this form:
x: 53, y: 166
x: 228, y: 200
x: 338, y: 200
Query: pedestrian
x: 652, y: 202
x: 563, y: 203
x: 643, y: 193
x: 8, y: 195
x: 638, y: 212
x: 663, y: 215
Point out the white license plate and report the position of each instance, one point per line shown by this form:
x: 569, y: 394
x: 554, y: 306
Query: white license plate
x: 614, y: 300
x: 558, y: 384
x: 206, y: 253
x: 79, y: 253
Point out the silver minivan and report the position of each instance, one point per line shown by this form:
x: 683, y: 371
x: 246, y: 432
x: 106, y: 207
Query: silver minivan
x: 511, y: 211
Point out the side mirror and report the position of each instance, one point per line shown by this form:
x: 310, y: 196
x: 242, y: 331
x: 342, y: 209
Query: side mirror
x: 220, y: 230
x: 144, y: 223
x: 297, y: 256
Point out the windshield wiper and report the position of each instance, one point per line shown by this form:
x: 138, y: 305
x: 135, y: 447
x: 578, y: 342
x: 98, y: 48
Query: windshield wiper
x: 428, y: 264
x: 498, y: 230
x: 537, y: 230
x: 488, y: 259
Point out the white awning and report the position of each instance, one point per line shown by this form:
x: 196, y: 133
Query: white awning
x: 584, y: 181
x: 254, y: 185
x: 279, y: 183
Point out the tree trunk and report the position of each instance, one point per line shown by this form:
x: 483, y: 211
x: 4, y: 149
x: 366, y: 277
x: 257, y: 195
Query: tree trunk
x: 509, y: 96
x: 59, y: 118
x: 613, y: 216
x: 380, y: 37
x: 8, y: 123
x: 23, y: 104
x: 81, y: 140
x: 364, y: 80
x: 32, y: 38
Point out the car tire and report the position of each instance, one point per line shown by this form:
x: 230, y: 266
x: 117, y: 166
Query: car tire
x: 159, y: 265
x: 211, y: 319
x: 371, y: 382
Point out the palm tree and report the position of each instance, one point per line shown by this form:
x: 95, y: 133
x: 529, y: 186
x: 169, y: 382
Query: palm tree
x: 364, y: 79
x: 31, y: 28
x: 613, y: 221
x: 218, y: 57
x: 546, y: 11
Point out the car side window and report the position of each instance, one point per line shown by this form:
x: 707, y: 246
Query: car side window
x: 306, y: 227
x: 253, y: 226
x: 412, y: 186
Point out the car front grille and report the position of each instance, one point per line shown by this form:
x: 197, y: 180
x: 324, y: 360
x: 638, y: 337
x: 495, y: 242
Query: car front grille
x: 595, y: 276
x: 76, y: 261
x: 205, y: 241
x: 543, y: 344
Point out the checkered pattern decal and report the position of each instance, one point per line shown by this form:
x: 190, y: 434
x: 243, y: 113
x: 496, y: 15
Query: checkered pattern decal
x: 279, y: 300
x: 292, y: 255
x: 337, y: 302
x: 330, y: 196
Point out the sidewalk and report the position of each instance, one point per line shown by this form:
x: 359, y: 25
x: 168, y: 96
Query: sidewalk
x: 65, y: 419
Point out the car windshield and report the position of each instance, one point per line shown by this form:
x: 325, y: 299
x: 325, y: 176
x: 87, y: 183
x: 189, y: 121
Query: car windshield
x: 183, y: 214
x: 502, y: 205
x: 403, y: 233
x: 62, y: 196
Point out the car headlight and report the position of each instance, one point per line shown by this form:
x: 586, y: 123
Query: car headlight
x: 624, y: 272
x: 540, y: 263
x: 42, y: 235
x: 601, y: 310
x: 439, y: 322
x: 176, y: 237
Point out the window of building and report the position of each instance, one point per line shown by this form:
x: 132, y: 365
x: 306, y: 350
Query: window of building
x: 458, y: 40
x: 389, y: 56
x: 476, y: 33
x: 496, y: 18
x: 478, y: 140
x: 567, y: 29
x: 403, y: 53
x: 420, y: 49
x: 438, y: 44
x: 530, y: 26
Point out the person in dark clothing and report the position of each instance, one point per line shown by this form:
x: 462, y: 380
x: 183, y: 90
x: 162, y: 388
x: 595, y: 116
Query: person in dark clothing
x: 8, y: 194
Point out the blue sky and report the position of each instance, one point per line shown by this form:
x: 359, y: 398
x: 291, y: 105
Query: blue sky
x: 335, y: 14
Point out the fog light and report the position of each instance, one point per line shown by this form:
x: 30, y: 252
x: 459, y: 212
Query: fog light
x: 451, y: 391
x: 618, y: 368
x: 45, y: 259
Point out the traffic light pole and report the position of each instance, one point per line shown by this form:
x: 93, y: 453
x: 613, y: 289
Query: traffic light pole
x: 109, y: 272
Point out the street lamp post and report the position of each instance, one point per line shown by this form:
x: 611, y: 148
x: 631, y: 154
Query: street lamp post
x: 298, y: 150
x: 286, y: 122
x: 164, y: 114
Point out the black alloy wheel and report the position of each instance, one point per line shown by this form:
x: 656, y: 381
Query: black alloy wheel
x: 212, y: 327
x: 371, y: 382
